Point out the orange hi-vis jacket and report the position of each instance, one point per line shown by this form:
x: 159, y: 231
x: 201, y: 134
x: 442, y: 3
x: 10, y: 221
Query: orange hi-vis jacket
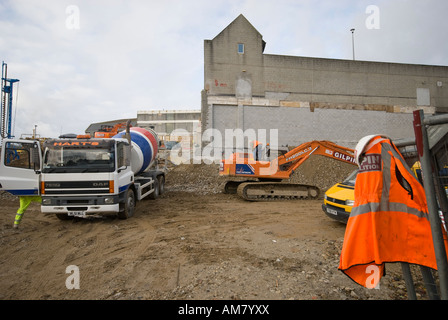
x: 389, y: 221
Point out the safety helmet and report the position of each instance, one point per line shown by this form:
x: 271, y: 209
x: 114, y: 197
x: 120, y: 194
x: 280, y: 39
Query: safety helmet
x: 254, y: 143
x: 362, y: 144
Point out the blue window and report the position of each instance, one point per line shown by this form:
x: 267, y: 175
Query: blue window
x: 240, y: 47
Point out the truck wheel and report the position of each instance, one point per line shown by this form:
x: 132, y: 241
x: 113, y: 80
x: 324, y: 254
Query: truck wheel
x: 161, y: 180
x: 155, y: 194
x: 129, y: 205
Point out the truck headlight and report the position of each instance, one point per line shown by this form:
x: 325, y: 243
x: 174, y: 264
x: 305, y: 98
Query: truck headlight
x: 349, y: 202
x: 109, y: 200
x: 46, y: 201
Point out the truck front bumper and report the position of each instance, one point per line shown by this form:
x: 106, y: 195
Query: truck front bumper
x: 80, y: 206
x: 336, y: 213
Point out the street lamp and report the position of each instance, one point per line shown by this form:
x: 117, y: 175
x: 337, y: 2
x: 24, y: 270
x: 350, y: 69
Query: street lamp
x: 353, y: 42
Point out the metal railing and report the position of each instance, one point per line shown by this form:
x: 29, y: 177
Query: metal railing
x: 436, y: 199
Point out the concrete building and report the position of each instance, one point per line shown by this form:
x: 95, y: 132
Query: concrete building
x: 312, y: 98
x: 168, y: 124
x: 171, y: 124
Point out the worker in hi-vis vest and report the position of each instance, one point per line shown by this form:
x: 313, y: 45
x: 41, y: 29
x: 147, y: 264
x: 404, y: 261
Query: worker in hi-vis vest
x: 25, y: 202
x: 389, y: 220
x: 257, y: 148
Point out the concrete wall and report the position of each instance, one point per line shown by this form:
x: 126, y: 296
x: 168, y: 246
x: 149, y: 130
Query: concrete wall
x: 289, y: 78
x: 166, y: 121
x: 354, y: 82
x: 307, y: 99
x: 299, y: 124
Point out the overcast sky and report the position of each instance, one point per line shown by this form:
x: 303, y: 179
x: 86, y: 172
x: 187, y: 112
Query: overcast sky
x: 85, y: 61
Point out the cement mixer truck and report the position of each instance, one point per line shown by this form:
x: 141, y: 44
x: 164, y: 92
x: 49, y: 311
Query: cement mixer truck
x: 85, y: 177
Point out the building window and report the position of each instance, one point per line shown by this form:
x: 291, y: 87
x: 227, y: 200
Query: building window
x: 241, y: 48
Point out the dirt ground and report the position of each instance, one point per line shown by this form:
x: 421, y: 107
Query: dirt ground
x: 193, y: 242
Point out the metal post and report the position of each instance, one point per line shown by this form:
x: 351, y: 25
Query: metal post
x: 353, y: 42
x: 421, y: 137
x: 6, y: 111
x: 407, y: 275
x: 3, y: 100
x: 9, y: 112
x: 430, y: 284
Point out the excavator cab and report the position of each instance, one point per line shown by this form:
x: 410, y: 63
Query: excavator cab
x: 242, y: 164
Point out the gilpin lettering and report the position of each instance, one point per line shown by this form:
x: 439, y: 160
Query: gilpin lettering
x: 344, y: 157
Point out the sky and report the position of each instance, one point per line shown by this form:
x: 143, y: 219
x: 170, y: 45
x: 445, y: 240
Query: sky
x: 86, y: 61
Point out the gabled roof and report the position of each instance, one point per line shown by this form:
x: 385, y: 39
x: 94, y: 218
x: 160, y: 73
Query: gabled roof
x: 241, y: 18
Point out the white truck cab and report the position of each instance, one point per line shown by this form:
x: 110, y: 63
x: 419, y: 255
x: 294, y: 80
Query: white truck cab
x: 77, y: 177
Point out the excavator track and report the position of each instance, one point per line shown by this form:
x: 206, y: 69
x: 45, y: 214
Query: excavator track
x: 231, y: 186
x: 275, y: 191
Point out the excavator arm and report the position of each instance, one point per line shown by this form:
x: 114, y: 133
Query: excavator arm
x: 294, y: 158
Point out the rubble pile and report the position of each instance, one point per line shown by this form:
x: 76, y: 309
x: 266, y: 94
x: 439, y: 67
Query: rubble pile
x: 322, y: 172
x: 318, y: 171
x: 198, y: 178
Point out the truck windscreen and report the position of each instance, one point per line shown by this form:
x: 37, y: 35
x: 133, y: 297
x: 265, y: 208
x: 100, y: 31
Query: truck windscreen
x: 78, y: 159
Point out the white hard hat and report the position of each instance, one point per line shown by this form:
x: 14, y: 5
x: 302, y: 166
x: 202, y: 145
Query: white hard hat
x: 362, y: 144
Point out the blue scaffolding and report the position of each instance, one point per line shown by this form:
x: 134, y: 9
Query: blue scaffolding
x: 6, y: 103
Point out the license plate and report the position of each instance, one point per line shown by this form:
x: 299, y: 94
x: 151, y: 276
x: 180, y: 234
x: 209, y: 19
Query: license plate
x: 332, y: 211
x: 77, y: 214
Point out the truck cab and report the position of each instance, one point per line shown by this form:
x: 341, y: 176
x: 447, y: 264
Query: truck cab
x: 77, y: 177
x: 86, y: 177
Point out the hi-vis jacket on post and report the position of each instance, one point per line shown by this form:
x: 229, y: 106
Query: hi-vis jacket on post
x: 389, y: 220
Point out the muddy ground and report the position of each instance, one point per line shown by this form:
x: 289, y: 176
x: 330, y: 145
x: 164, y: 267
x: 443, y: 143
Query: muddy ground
x: 193, y: 242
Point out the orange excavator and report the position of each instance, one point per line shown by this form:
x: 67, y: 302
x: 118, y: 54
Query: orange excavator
x: 266, y: 176
x: 108, y: 131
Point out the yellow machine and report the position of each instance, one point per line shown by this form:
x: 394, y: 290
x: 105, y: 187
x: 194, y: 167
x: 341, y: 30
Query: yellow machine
x: 339, y: 199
